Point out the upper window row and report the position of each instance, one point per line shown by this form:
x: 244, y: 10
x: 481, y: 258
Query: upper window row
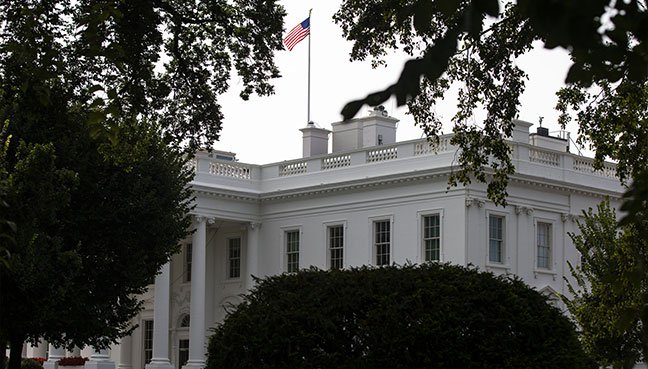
x: 497, y: 244
x: 381, y: 243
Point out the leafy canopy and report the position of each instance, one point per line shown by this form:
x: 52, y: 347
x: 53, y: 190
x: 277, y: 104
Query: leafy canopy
x: 103, y: 101
x: 428, y: 316
x: 610, y: 289
x: 476, y: 43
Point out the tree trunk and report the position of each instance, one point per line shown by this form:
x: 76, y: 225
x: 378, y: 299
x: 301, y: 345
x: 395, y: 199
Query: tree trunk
x: 3, y: 350
x: 15, y: 353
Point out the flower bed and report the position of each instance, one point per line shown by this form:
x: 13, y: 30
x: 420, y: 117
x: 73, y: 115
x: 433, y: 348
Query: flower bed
x: 72, y: 361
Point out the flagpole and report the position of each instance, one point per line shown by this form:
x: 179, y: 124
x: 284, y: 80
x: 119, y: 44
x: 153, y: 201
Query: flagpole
x: 309, y: 64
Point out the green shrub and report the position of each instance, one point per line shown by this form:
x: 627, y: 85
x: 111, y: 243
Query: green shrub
x: 30, y: 364
x: 429, y: 316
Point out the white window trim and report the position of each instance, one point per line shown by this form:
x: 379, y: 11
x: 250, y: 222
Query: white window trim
x: 552, y: 246
x: 184, y: 262
x: 334, y: 223
x: 421, y: 249
x: 229, y: 237
x: 283, y: 255
x: 504, y: 265
x: 372, y: 250
x: 143, y: 336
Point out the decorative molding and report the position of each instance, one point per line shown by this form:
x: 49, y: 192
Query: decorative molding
x: 565, y: 217
x: 519, y: 209
x: 472, y: 201
x: 254, y: 225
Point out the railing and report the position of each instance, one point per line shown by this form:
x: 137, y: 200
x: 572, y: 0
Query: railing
x: 338, y: 161
x: 290, y: 169
x: 584, y: 165
x: 419, y: 149
x: 544, y: 157
x: 229, y: 170
x: 382, y: 154
x: 427, y: 148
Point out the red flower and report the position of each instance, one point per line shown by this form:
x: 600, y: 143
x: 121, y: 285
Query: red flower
x: 72, y: 361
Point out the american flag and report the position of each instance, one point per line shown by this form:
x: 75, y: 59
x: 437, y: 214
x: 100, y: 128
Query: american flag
x: 297, y: 34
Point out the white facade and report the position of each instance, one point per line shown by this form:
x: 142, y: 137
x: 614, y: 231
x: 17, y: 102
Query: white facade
x: 362, y: 204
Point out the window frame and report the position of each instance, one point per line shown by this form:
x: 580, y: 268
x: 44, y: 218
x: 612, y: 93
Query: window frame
x: 187, y: 254
x: 421, y: 234
x: 329, y: 256
x: 286, y: 263
x: 229, y: 259
x: 536, y: 244
x: 374, y: 247
x: 503, y: 242
x: 145, y: 340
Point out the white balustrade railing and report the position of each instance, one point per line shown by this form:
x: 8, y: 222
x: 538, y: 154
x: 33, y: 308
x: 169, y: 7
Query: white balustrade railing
x: 382, y: 154
x: 403, y: 150
x: 544, y: 157
x: 338, y: 161
x: 426, y: 147
x: 290, y: 169
x: 229, y: 170
x: 584, y: 165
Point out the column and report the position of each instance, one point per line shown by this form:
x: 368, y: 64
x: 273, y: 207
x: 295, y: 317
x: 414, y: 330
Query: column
x: 252, y: 253
x: 197, y: 303
x: 55, y: 354
x: 75, y: 352
x: 38, y: 350
x: 160, y: 359
x: 126, y: 353
x: 100, y: 359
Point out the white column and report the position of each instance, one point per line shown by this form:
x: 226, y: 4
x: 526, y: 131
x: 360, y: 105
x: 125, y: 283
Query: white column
x: 75, y: 352
x: 55, y: 354
x: 197, y: 303
x: 100, y: 359
x: 41, y: 349
x: 252, y: 253
x: 160, y: 359
x: 125, y: 353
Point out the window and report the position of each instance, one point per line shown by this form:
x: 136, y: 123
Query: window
x: 185, y: 321
x: 495, y: 239
x: 183, y: 352
x: 432, y: 237
x: 148, y: 340
x: 292, y: 251
x: 382, y: 241
x: 544, y: 245
x: 233, y: 258
x: 187, y: 263
x: 336, y: 246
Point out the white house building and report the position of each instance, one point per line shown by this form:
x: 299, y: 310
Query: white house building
x: 373, y: 201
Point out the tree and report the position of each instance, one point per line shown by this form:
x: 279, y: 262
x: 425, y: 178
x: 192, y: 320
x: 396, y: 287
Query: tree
x: 610, y: 289
x: 476, y: 43
x: 431, y: 316
x: 105, y: 103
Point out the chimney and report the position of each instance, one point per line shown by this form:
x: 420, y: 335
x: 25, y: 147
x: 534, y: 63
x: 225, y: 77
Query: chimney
x: 520, y: 131
x: 376, y: 129
x: 315, y: 140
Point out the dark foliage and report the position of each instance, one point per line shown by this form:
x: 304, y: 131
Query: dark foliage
x: 104, y: 101
x: 430, y: 316
x: 475, y: 43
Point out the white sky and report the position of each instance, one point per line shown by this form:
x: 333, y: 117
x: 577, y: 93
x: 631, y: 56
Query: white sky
x: 266, y: 129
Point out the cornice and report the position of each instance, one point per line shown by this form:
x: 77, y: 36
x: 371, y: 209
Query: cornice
x: 355, y: 185
x: 205, y: 190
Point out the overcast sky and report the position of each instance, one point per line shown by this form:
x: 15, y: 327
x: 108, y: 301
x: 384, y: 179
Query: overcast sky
x: 266, y: 129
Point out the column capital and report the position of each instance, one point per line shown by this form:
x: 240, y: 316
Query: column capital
x: 199, y: 218
x: 254, y: 225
